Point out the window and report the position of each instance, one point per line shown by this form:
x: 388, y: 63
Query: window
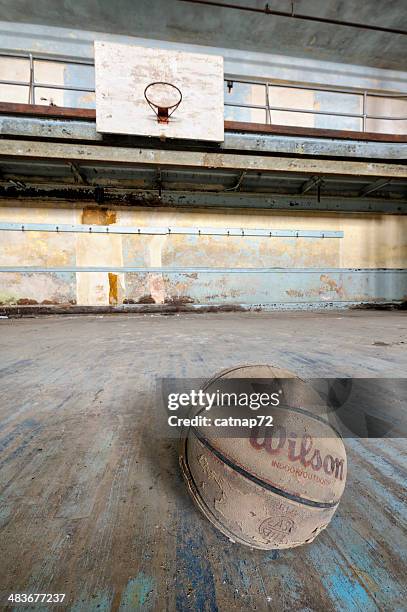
x: 32, y: 79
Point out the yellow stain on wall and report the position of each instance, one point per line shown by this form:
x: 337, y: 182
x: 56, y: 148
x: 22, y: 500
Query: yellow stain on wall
x: 113, y: 288
x: 380, y: 241
x: 96, y: 250
x: 37, y: 249
x: 98, y: 216
x: 370, y: 240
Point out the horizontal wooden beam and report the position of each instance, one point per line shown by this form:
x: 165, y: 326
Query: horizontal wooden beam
x: 40, y: 110
x: 294, y: 130
x: 58, y: 195
x: 59, y: 112
x: 86, y: 153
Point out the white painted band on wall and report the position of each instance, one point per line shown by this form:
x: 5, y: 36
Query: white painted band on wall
x: 166, y: 231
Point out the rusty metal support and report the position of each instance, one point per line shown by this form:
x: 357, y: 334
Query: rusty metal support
x: 239, y: 182
x: 314, y: 181
x: 79, y: 176
x: 373, y: 187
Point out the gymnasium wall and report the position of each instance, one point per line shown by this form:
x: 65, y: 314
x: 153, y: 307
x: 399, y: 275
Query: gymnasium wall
x: 367, y: 264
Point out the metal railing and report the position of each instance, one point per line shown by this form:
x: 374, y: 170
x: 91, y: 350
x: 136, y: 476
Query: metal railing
x: 32, y: 84
x: 268, y: 107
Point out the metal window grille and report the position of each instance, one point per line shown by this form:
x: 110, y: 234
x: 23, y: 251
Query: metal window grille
x: 268, y: 107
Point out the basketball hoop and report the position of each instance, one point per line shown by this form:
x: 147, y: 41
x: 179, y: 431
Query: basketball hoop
x: 164, y: 98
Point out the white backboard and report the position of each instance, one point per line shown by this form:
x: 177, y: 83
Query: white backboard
x: 124, y: 71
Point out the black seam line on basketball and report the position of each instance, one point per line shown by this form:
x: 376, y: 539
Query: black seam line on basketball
x: 222, y: 374
x: 258, y: 481
x: 311, y: 415
x: 200, y: 500
x: 299, y: 411
x: 293, y: 409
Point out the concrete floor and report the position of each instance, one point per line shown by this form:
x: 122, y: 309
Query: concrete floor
x: 91, y: 499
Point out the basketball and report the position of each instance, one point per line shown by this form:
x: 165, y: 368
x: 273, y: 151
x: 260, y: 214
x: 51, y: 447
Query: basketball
x: 270, y: 489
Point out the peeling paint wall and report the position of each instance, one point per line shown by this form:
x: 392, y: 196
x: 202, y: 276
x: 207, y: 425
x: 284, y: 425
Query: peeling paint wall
x: 365, y: 265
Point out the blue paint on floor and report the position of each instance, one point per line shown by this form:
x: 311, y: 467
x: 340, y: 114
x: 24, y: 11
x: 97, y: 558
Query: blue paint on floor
x: 139, y: 594
x: 347, y: 594
x: 195, y: 586
x: 100, y: 602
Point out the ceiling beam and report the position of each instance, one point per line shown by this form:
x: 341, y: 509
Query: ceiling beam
x: 58, y: 195
x: 86, y: 153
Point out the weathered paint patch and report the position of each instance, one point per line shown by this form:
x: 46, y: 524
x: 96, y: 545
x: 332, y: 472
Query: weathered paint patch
x: 43, y: 287
x: 293, y: 287
x: 139, y: 594
x: 146, y: 299
x: 195, y: 586
x: 98, y: 602
x: 5, y: 513
x: 37, y: 248
x: 373, y: 241
x: 367, y: 544
x: 347, y: 593
x: 364, y: 562
x: 113, y: 288
x: 15, y: 443
x: 93, y: 287
x: 137, y: 288
x: 283, y: 578
x: 98, y: 216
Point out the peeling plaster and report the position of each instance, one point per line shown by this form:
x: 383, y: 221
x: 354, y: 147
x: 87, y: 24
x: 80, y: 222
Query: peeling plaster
x: 372, y: 241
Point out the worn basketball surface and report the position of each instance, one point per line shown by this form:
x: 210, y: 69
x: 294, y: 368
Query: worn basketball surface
x: 270, y: 490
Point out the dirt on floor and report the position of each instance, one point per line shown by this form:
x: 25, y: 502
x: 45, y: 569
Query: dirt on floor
x: 92, y: 503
